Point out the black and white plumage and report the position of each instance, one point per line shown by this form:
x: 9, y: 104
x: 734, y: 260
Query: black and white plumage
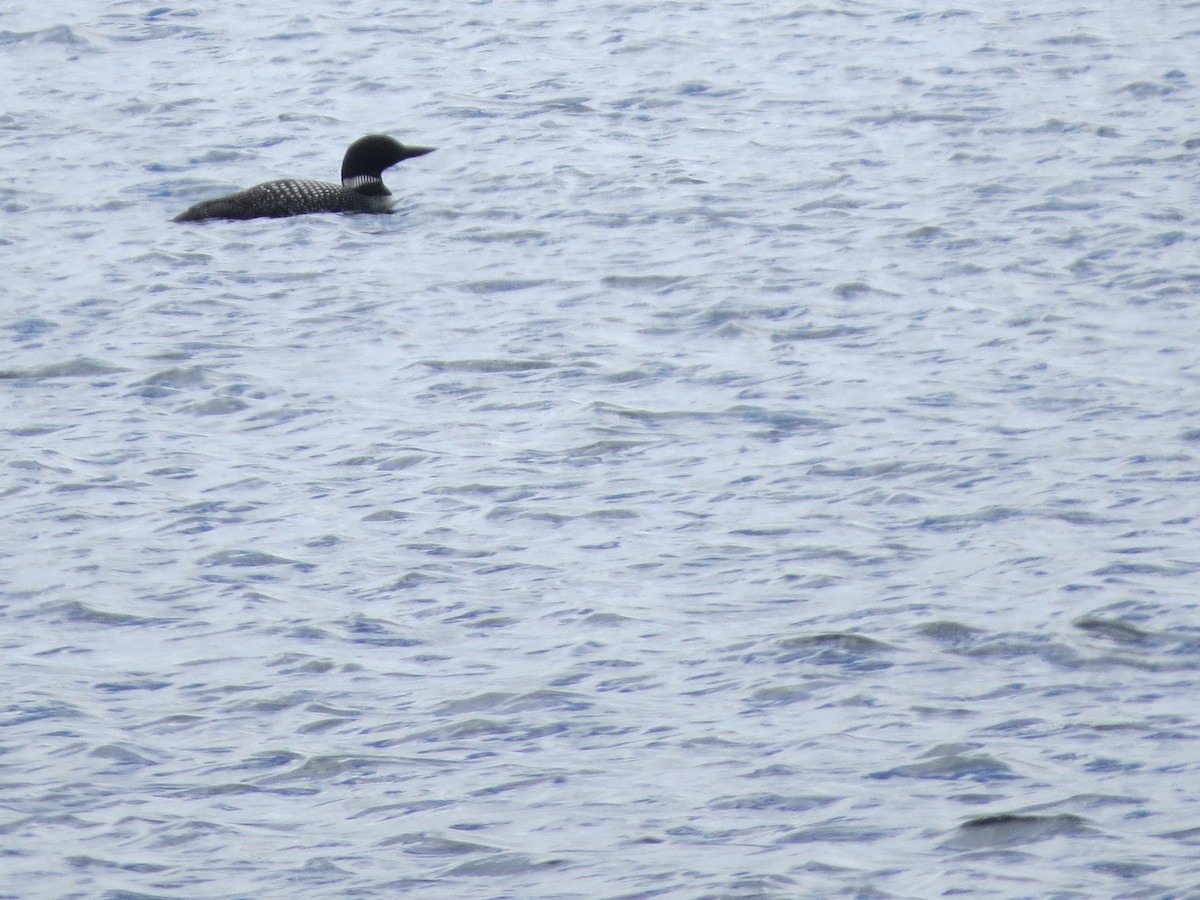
x: 362, y: 189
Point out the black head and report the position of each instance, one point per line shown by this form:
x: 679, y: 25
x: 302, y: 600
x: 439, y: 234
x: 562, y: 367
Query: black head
x: 369, y: 156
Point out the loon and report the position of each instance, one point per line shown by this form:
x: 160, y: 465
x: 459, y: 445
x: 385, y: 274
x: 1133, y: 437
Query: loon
x: 362, y: 189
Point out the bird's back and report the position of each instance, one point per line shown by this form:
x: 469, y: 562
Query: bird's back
x: 286, y: 197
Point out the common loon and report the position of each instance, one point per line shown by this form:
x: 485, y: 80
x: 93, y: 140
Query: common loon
x: 362, y: 189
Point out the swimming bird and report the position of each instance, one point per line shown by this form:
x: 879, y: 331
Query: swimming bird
x: 362, y: 189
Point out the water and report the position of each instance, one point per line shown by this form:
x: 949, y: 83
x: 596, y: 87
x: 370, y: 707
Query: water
x: 758, y: 460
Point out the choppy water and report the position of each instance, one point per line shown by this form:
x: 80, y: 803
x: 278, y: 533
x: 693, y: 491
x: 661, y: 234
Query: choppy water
x: 759, y: 459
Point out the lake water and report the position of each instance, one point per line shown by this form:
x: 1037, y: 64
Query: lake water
x: 759, y: 458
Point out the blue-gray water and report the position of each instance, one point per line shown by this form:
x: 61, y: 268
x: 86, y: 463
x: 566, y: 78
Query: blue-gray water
x: 758, y: 460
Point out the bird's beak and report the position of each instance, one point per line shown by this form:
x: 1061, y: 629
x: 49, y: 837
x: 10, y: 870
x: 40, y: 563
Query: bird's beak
x: 410, y: 152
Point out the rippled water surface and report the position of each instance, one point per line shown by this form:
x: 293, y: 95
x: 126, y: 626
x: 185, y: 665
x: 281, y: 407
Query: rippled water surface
x: 759, y: 459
